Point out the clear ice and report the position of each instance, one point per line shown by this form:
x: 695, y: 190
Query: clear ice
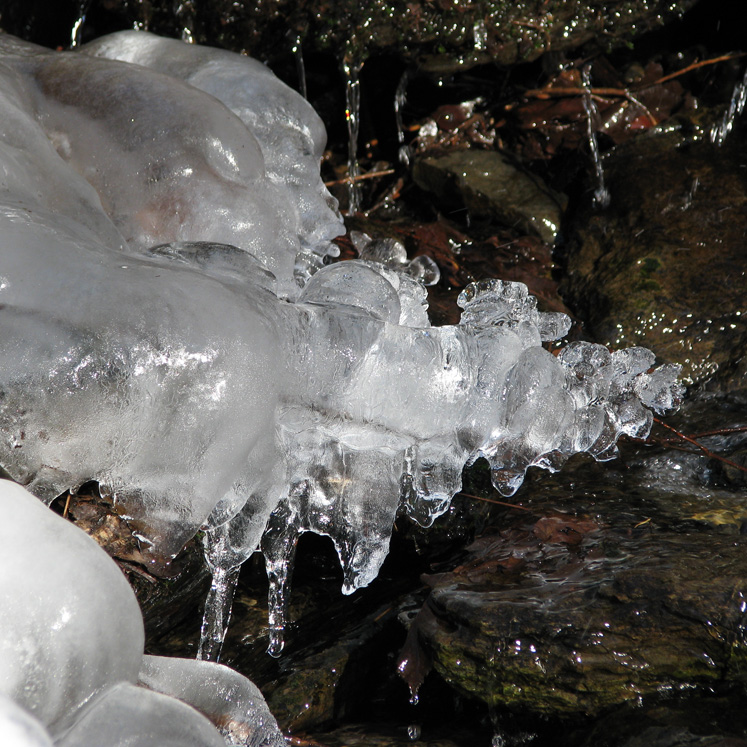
x: 172, y: 327
x: 72, y: 669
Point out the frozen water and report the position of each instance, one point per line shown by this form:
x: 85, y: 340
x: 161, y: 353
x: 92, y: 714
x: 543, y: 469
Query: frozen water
x: 71, y: 651
x: 53, y: 616
x: 18, y: 728
x: 168, y: 326
x: 290, y: 134
x: 228, y: 698
x: 130, y: 716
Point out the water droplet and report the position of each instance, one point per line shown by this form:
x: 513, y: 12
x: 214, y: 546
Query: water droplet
x: 413, y: 732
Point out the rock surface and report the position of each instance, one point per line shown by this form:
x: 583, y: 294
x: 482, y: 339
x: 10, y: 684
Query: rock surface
x: 443, y: 35
x: 665, y: 265
x: 489, y: 186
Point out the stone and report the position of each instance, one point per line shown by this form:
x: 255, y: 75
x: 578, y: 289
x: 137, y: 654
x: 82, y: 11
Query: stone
x: 665, y: 265
x: 489, y: 186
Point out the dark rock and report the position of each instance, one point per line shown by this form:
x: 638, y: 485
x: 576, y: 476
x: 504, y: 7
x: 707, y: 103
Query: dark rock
x: 665, y: 266
x: 614, y: 596
x: 440, y: 34
x: 374, y: 736
x: 489, y: 186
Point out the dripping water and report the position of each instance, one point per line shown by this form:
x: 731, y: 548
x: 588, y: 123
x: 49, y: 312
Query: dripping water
x: 279, y: 543
x: 601, y: 194
x: 184, y: 12
x: 217, y: 613
x: 219, y: 600
x: 736, y: 107
x: 300, y: 66
x: 77, y: 31
x: 400, y: 97
x: 277, y: 575
x: 351, y: 68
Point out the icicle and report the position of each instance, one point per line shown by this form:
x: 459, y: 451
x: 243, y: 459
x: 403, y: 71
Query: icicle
x: 184, y: 13
x: 400, y: 97
x: 77, y: 31
x: 219, y: 600
x: 480, y: 32
x: 736, y: 107
x: 352, y: 67
x: 279, y: 544
x: 601, y: 194
x: 217, y: 613
x: 300, y: 66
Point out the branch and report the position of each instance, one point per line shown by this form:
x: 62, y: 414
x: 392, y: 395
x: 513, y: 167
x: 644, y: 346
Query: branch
x: 704, y: 449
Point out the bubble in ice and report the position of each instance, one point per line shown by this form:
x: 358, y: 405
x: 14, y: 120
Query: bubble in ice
x: 171, y: 327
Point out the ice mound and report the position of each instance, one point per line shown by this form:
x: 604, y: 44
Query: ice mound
x: 71, y: 652
x: 168, y: 327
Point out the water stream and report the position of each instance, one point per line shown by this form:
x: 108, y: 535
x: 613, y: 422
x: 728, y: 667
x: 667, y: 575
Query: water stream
x: 400, y: 98
x: 721, y: 130
x: 601, y: 194
x: 351, y: 67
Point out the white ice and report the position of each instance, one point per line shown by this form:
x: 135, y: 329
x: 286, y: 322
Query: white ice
x: 168, y: 327
x: 72, y: 670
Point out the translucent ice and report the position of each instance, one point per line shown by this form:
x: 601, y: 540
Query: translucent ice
x: 18, y: 728
x: 61, y: 640
x: 71, y: 653
x: 126, y: 716
x: 231, y: 701
x: 168, y: 328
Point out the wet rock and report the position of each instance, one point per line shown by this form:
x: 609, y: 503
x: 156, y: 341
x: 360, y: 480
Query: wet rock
x: 375, y: 736
x: 665, y: 265
x: 489, y: 186
x: 614, y: 595
x: 444, y: 35
x: 664, y: 737
x: 690, y: 721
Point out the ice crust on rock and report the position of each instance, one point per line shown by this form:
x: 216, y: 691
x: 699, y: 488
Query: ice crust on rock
x: 226, y: 377
x: 71, y: 652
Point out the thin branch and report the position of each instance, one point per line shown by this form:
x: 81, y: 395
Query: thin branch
x: 704, y: 449
x: 546, y: 93
x: 498, y: 503
x: 707, y: 434
x: 696, y: 65
x: 360, y: 177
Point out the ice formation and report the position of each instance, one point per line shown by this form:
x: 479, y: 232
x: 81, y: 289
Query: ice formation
x: 72, y: 669
x: 169, y: 327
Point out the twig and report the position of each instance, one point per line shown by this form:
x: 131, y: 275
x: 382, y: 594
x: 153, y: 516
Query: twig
x: 67, y: 505
x: 546, y: 93
x: 498, y: 503
x: 299, y: 742
x: 710, y: 454
x: 360, y: 177
x: 694, y: 66
x: 706, y: 434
